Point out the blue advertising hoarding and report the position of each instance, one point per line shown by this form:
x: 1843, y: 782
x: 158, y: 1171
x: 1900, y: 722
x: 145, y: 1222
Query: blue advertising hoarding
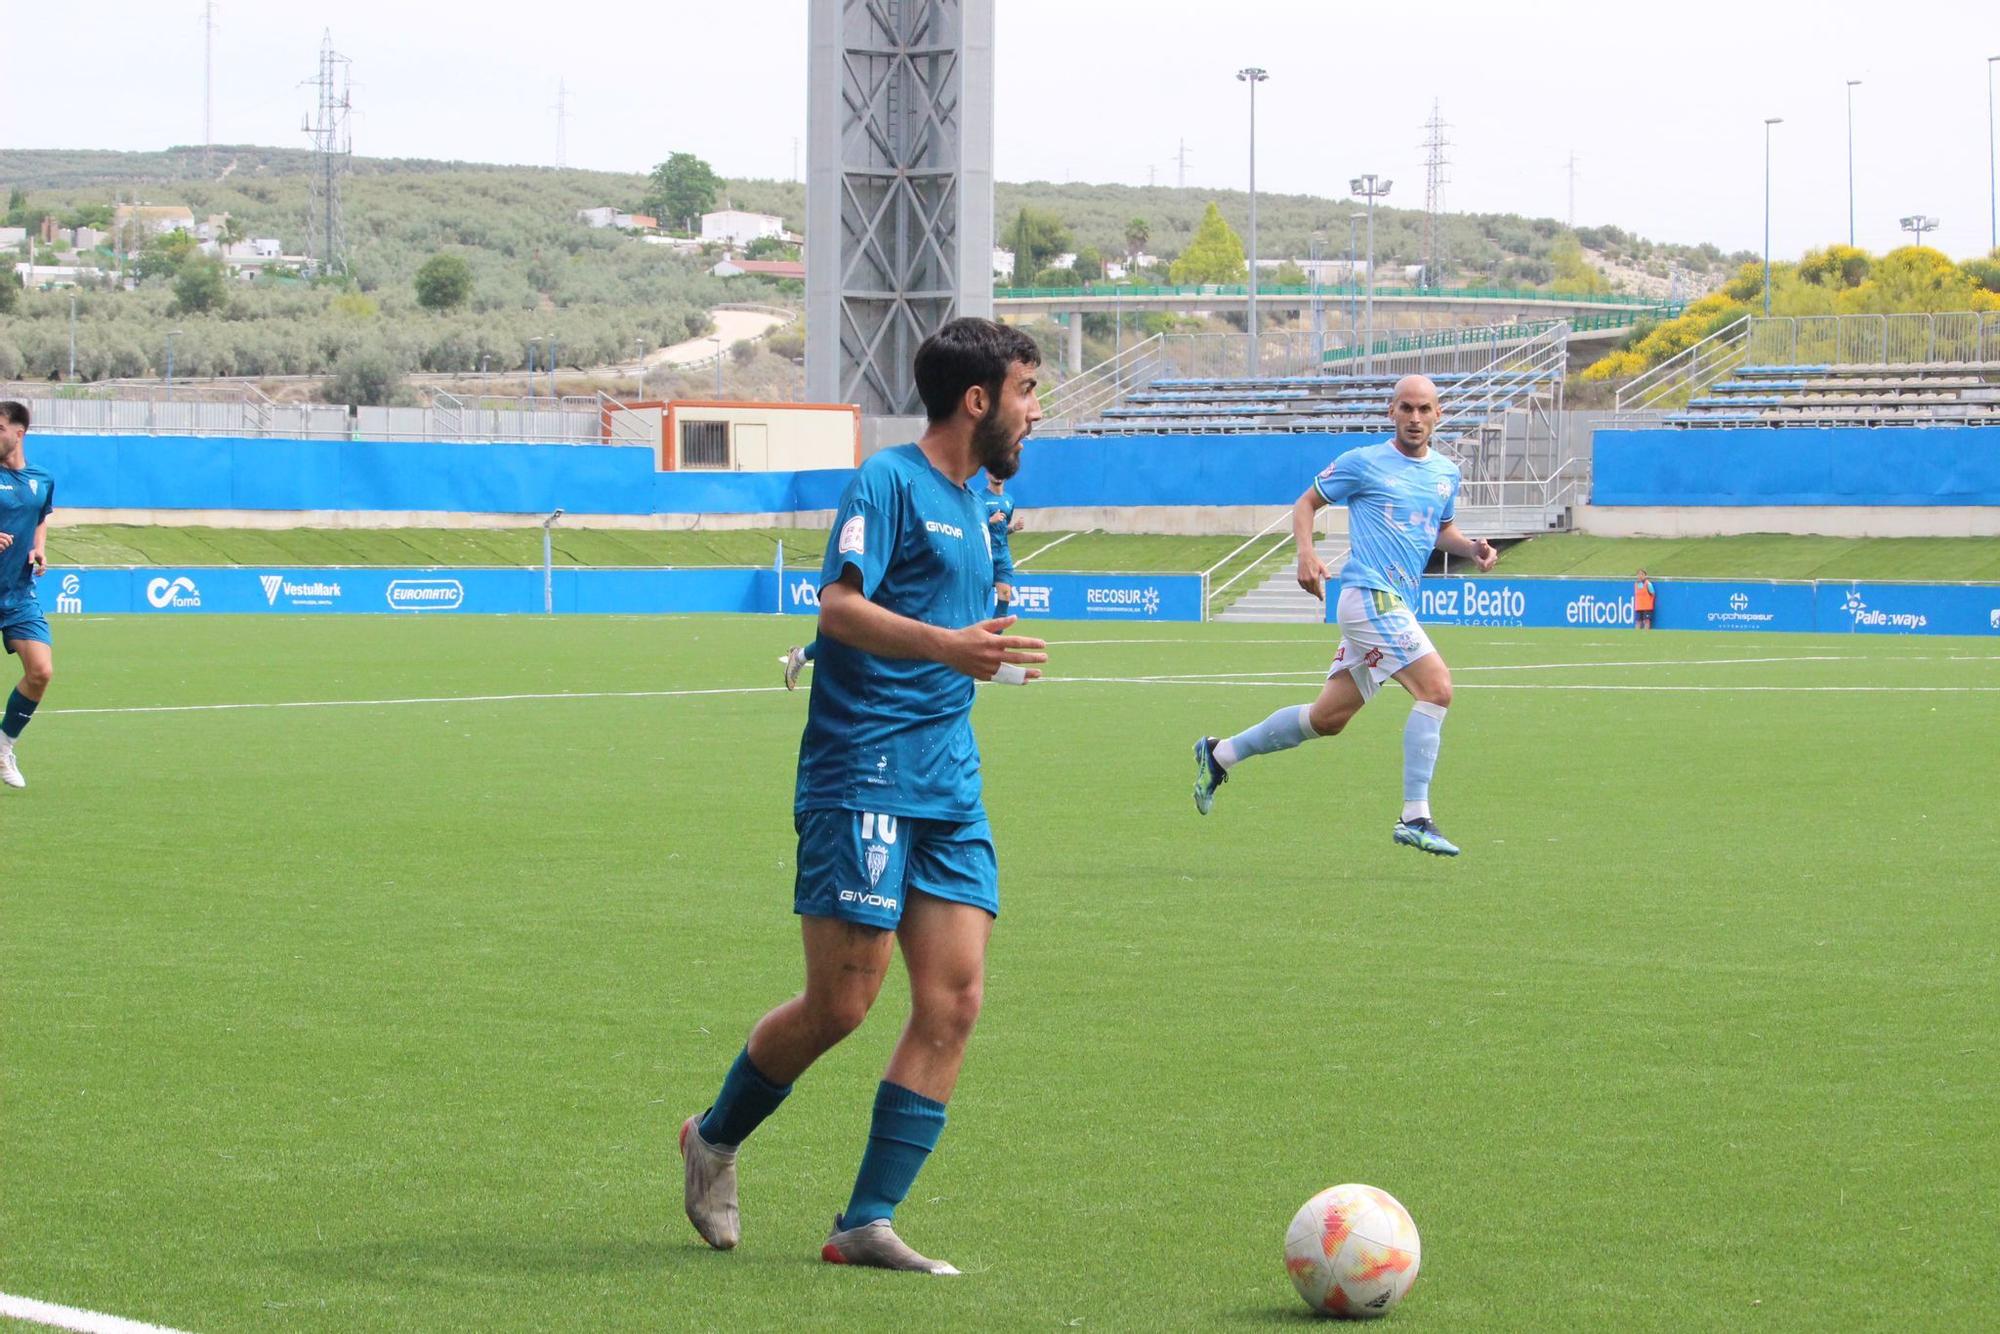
x: 1062, y: 597
x: 421, y: 592
x: 1713, y: 604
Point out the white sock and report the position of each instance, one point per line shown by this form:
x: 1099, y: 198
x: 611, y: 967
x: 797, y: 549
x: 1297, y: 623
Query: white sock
x: 1416, y: 810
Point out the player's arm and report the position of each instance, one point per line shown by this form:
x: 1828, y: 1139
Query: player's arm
x: 38, y: 554
x: 977, y: 650
x: 1312, y: 570
x: 1453, y: 542
x: 1017, y: 525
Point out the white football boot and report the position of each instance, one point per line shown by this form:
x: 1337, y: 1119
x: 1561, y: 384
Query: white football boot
x: 10, y: 772
x: 710, y: 1195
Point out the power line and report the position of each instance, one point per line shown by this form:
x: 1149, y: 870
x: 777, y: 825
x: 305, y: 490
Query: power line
x: 208, y: 85
x: 1571, y: 219
x: 562, y: 123
x: 332, y: 146
x: 1181, y: 180
x: 1434, y: 182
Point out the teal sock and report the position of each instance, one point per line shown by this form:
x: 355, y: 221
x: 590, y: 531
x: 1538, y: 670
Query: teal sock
x: 810, y: 651
x: 905, y: 1130
x: 745, y: 1100
x: 19, y: 710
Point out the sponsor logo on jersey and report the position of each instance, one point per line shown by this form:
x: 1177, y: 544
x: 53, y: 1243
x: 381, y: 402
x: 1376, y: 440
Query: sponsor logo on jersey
x: 853, y: 536
x: 947, y: 529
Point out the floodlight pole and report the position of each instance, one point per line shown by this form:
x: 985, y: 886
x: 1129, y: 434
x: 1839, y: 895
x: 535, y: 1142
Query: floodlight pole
x: 1253, y: 76
x: 1769, y: 121
x: 1852, y: 84
x: 1371, y: 188
x: 1353, y: 283
x: 1992, y: 180
x: 718, y: 365
x: 549, y: 564
x: 172, y: 334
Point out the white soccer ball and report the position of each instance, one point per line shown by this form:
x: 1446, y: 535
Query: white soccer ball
x: 1352, y: 1251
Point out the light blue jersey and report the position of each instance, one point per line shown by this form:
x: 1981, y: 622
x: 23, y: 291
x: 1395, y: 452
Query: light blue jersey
x: 26, y: 497
x: 1395, y: 506
x: 893, y: 736
x: 999, y: 516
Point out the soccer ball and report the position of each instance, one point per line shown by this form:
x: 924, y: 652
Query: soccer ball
x: 1352, y: 1251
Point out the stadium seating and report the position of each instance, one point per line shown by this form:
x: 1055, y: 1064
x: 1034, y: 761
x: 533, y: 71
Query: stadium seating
x: 1323, y: 403
x: 1924, y: 394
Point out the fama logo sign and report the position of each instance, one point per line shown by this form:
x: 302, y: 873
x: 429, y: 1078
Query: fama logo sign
x: 426, y: 595
x: 69, y: 597
x: 179, y: 593
x: 313, y: 594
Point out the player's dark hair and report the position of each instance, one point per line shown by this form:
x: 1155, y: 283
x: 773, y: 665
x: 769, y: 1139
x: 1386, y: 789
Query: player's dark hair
x: 15, y: 413
x: 966, y: 352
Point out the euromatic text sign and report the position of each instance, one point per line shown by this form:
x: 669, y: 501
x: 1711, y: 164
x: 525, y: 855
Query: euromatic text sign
x: 1689, y: 604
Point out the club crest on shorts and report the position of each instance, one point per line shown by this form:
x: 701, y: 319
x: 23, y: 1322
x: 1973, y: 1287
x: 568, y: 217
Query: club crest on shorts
x: 878, y: 862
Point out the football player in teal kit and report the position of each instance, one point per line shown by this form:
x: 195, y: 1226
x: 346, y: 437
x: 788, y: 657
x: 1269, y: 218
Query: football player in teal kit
x: 27, y: 494
x: 894, y: 848
x: 1401, y: 496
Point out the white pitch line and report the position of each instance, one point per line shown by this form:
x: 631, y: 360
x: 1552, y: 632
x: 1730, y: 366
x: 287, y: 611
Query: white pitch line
x: 1535, y: 685
x: 421, y: 699
x: 69, y: 1317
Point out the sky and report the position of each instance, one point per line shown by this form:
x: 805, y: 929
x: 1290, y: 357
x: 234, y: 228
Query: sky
x: 1662, y: 106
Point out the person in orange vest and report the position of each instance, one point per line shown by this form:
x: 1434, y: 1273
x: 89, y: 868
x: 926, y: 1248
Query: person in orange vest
x: 1642, y: 602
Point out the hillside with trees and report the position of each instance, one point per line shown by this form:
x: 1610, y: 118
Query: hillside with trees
x: 455, y: 267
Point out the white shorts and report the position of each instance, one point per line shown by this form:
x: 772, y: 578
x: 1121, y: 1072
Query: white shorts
x: 1379, y: 636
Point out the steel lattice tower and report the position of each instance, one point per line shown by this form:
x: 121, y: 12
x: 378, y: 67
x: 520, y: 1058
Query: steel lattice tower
x: 326, y: 230
x: 899, y: 194
x: 1434, y: 182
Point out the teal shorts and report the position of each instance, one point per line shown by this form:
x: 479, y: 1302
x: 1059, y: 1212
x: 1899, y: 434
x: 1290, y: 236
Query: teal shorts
x: 862, y: 867
x: 24, y: 622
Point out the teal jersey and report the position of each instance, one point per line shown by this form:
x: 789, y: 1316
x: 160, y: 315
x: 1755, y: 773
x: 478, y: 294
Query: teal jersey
x: 894, y: 735
x: 999, y: 515
x: 1395, y: 506
x: 26, y: 497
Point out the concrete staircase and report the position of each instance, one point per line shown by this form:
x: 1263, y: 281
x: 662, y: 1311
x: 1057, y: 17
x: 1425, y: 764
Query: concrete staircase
x: 1279, y: 599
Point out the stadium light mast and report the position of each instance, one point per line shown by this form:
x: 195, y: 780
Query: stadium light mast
x: 1353, y: 283
x: 1769, y: 121
x: 1852, y: 84
x: 1992, y: 179
x: 172, y: 334
x: 1253, y: 76
x: 1371, y: 188
x: 1917, y: 224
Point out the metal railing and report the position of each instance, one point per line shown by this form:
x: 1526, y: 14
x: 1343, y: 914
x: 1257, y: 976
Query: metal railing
x: 1680, y: 377
x: 237, y: 409
x: 1330, y: 292
x: 1104, y: 385
x: 1955, y: 337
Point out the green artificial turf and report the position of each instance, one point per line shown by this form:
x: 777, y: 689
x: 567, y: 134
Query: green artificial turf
x: 383, y: 1016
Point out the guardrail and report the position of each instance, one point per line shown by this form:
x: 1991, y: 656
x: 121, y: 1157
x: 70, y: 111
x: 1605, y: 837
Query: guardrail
x: 1108, y: 290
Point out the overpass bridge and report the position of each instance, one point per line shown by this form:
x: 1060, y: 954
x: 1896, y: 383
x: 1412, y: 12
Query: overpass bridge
x: 1592, y: 317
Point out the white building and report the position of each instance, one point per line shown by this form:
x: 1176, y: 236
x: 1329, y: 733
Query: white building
x: 738, y: 228
x: 1003, y: 263
x: 605, y: 216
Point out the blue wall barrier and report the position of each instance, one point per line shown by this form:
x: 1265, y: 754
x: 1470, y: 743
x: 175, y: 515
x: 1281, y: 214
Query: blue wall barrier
x: 1830, y: 606
x: 184, y: 472
x: 86, y: 590
x: 1851, y: 465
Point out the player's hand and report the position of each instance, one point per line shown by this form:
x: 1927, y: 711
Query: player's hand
x: 1017, y: 525
x: 1003, y: 590
x: 6, y: 540
x: 1486, y: 554
x: 37, y: 563
x: 1312, y: 576
x: 978, y: 650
